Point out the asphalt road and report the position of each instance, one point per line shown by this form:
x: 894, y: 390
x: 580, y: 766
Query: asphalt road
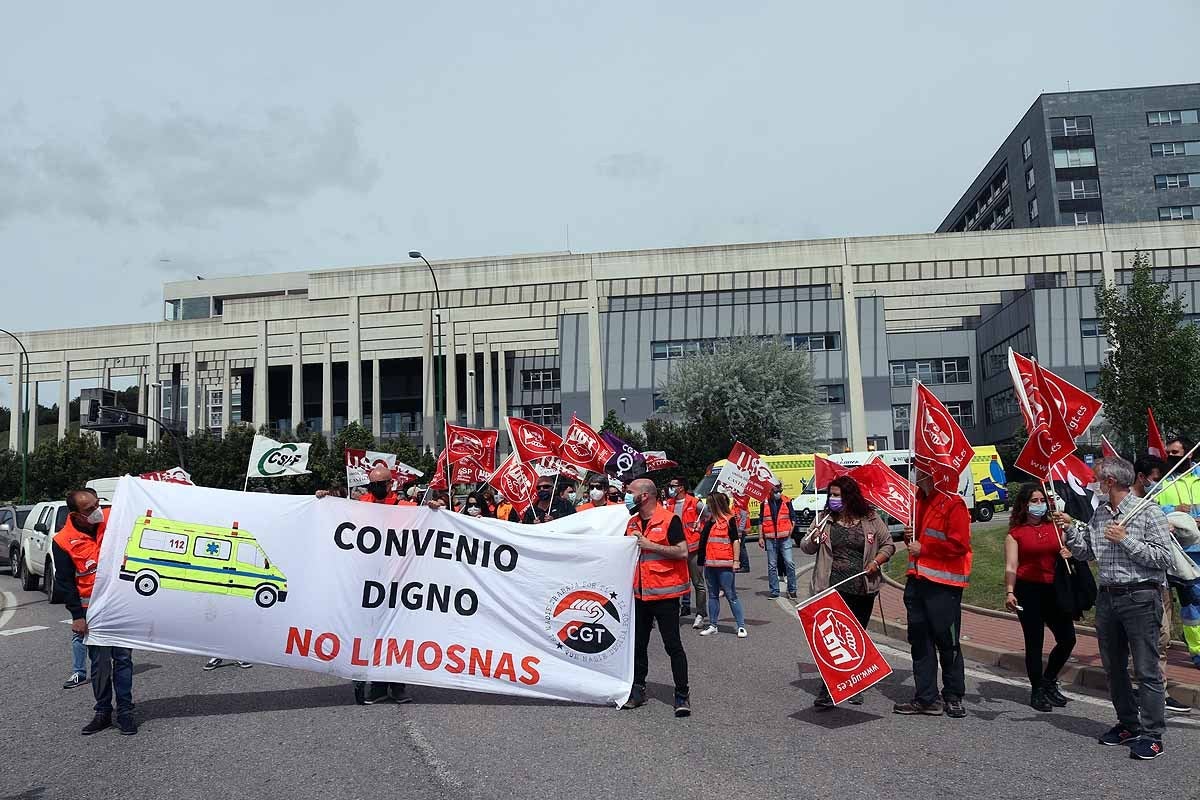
x: 268, y: 732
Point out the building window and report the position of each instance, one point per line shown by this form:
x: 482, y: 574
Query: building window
x: 877, y: 443
x: 1089, y: 328
x: 934, y: 372
x: 1091, y: 382
x: 1033, y: 209
x: 995, y: 358
x: 1001, y: 406
x: 831, y: 394
x: 1075, y: 157
x: 1026, y: 149
x: 962, y: 412
x: 1081, y: 218
x: 1030, y: 178
x: 540, y: 380
x: 1085, y: 189
x: 839, y: 445
x: 1162, y: 118
x: 548, y: 415
x: 215, y: 396
x: 900, y: 417
x: 816, y: 342
x: 1179, y: 180
x: 1178, y: 212
x: 1174, y: 149
x: 1071, y: 126
x: 660, y: 402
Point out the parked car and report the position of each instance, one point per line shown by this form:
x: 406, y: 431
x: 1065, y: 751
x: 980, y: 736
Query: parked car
x: 10, y: 534
x: 35, y: 562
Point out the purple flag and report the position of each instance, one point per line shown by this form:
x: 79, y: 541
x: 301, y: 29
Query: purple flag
x: 627, y: 463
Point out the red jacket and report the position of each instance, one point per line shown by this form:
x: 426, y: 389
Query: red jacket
x: 943, y: 527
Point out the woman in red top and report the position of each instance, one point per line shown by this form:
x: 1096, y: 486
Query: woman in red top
x: 1031, y: 549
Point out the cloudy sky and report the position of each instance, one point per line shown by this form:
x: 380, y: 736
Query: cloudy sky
x: 142, y: 142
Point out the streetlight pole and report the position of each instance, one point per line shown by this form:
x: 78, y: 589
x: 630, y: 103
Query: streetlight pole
x: 161, y: 427
x: 24, y: 423
x: 438, y: 376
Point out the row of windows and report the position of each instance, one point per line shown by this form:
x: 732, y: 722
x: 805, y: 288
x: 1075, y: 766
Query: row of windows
x: 831, y: 394
x: 1174, y: 149
x: 1178, y: 180
x: 1081, y: 218
x: 1075, y: 157
x: 808, y: 342
x: 1001, y: 406
x: 932, y: 372
x: 1187, y: 116
x: 1085, y: 189
x: 1071, y: 126
x: 541, y: 380
x: 1178, y: 212
x: 961, y: 411
x: 995, y: 358
x: 663, y: 302
x: 985, y: 199
x: 549, y: 415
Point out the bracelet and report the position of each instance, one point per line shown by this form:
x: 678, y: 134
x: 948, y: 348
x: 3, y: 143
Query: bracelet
x: 1010, y: 591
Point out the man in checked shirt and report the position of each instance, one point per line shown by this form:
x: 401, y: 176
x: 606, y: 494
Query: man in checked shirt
x: 1132, y: 552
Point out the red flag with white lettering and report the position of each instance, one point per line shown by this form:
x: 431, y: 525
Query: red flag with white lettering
x: 516, y: 481
x: 583, y: 447
x: 1078, y: 408
x: 940, y: 449
x: 884, y: 489
x: 826, y: 471
x: 530, y: 440
x: 462, y: 442
x: 657, y: 459
x: 1049, y: 437
x: 1154, y: 445
x: 467, y: 470
x: 847, y: 658
x: 745, y: 474
x: 172, y: 475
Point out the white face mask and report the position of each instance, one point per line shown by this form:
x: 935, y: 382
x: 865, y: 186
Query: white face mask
x: 596, y: 495
x: 96, y: 517
x: 474, y: 511
x: 572, y: 496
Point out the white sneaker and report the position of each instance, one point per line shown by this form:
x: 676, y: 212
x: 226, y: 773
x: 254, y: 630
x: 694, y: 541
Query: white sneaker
x: 742, y: 634
x: 699, y: 623
x: 213, y: 663
x: 245, y: 664
x: 709, y: 631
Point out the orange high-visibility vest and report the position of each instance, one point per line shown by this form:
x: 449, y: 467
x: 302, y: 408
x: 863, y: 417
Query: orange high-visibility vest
x: 780, y: 525
x: 658, y: 577
x: 84, y: 552
x: 718, y: 549
x: 942, y: 521
x: 690, y: 517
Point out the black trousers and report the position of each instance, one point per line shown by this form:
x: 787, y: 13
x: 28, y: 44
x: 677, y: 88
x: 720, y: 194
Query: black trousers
x: 664, y: 614
x: 934, y: 626
x: 1041, y: 612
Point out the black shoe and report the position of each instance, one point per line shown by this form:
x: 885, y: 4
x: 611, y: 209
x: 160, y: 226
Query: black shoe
x: 637, y: 697
x: 1145, y: 748
x: 954, y: 708
x: 1177, y: 707
x: 1056, y: 697
x: 360, y: 693
x: 398, y: 693
x: 823, y: 703
x: 76, y: 679
x: 683, y: 708
x: 933, y: 709
x: 857, y: 700
x: 375, y: 693
x: 1039, y: 702
x: 1117, y: 734
x: 126, y: 725
x: 98, y: 723
x: 792, y: 596
x: 685, y: 611
x: 773, y: 595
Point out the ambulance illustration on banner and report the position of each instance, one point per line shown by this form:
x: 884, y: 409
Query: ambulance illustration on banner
x: 200, y: 558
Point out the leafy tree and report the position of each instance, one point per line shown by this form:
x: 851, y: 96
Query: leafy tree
x: 751, y: 390
x: 1153, y: 358
x: 688, y: 444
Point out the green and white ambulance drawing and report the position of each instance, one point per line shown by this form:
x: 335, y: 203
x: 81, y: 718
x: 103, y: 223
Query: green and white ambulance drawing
x: 200, y: 558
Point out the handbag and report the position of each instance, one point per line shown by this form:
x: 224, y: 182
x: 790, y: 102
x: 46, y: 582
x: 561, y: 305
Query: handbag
x: 1074, y: 591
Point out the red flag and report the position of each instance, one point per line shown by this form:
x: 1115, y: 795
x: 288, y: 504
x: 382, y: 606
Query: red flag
x: 583, y: 447
x: 884, y: 489
x: 939, y: 447
x: 746, y: 474
x: 516, y: 481
x: 1049, y: 437
x: 467, y: 470
x: 826, y: 471
x: 549, y: 467
x: 1155, y: 445
x: 1072, y: 468
x: 532, y: 441
x: 438, y: 482
x: 172, y: 475
x: 471, y: 443
x: 657, y: 459
x: 1107, y: 450
x: 1078, y: 408
x: 847, y: 658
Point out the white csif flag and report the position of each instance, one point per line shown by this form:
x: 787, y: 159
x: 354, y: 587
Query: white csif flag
x: 271, y: 459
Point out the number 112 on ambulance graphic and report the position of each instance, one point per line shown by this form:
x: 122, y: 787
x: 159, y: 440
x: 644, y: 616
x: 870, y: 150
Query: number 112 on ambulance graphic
x: 167, y: 554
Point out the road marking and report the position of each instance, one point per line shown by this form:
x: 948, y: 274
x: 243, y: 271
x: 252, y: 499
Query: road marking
x: 30, y: 629
x: 10, y: 608
x: 442, y: 772
x: 66, y: 621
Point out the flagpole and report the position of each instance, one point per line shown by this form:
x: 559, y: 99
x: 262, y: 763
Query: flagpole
x: 246, y: 482
x: 912, y: 432
x: 1057, y: 532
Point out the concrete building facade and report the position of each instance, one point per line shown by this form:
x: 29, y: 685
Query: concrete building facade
x: 548, y: 336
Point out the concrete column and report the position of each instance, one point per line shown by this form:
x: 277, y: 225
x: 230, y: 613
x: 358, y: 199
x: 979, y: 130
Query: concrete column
x: 64, y: 398
x: 153, y: 434
x: 471, y: 375
x: 154, y: 431
x: 105, y: 375
x: 226, y: 396
x: 595, y: 357
x: 854, y: 379
x: 376, y: 400
x: 428, y: 391
x: 14, y: 425
x: 489, y: 416
x: 141, y: 404
x: 354, y: 372
x: 262, y: 414
x: 327, y: 390
x: 32, y: 412
x: 502, y: 386
x: 194, y: 392
x: 451, y: 370
x: 1108, y: 263
x: 297, y: 380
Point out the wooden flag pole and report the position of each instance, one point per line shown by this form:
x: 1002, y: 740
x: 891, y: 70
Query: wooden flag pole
x: 1053, y: 507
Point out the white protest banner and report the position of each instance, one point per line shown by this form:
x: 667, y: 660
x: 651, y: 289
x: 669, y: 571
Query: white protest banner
x: 172, y: 475
x: 270, y: 459
x: 371, y: 592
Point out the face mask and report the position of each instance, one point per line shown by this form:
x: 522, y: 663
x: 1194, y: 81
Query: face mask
x: 835, y: 504
x: 596, y: 495
x: 1037, y: 510
x: 672, y: 490
x: 1172, y: 461
x: 474, y: 511
x: 572, y: 496
x: 629, y: 501
x: 378, y: 489
x: 1149, y: 485
x: 543, y: 495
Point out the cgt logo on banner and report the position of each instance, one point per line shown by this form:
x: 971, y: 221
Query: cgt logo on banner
x: 407, y: 594
x: 848, y: 660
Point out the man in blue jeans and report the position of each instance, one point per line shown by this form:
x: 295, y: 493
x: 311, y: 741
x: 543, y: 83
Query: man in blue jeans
x: 775, y: 521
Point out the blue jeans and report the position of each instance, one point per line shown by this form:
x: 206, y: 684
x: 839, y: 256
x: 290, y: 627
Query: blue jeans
x: 112, y: 672
x: 78, y: 654
x: 775, y: 548
x: 720, y: 579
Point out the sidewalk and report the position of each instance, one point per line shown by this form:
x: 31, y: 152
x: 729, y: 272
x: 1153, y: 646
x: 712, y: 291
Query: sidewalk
x: 998, y: 641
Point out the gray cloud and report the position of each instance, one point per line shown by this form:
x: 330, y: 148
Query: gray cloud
x: 631, y: 167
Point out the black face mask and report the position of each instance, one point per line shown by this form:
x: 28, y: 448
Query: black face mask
x: 378, y: 489
x: 544, y: 495
x: 1172, y: 461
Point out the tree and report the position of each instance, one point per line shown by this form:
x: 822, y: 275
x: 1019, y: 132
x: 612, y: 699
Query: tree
x: 1153, y: 358
x: 751, y: 390
x: 687, y: 444
x: 631, y: 436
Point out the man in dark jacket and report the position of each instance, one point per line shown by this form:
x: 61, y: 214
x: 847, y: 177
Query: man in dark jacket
x: 548, y: 506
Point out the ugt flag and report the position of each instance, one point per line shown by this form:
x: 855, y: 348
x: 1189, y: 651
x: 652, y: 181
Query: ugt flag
x: 463, y: 442
x: 582, y: 447
x: 271, y: 459
x: 1154, y: 444
x: 532, y: 441
x: 1078, y: 408
x: 847, y: 658
x: 884, y: 489
x: 1049, y: 437
x: 826, y: 472
x: 939, y: 447
x: 516, y: 481
x: 746, y: 474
